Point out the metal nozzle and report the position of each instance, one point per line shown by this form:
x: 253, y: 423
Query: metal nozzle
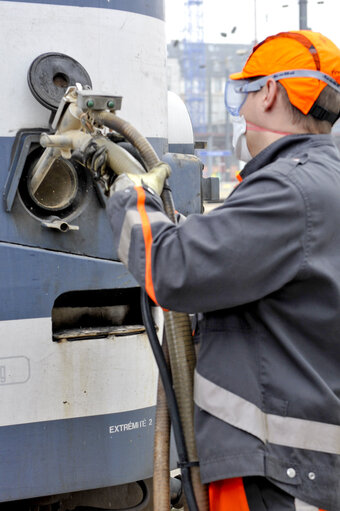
x: 42, y: 168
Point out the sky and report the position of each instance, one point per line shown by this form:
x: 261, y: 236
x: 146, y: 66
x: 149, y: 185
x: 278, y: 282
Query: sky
x: 272, y: 16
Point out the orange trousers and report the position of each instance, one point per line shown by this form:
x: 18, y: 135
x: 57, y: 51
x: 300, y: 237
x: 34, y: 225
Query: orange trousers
x: 229, y: 495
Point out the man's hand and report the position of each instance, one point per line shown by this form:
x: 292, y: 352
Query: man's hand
x: 154, y: 179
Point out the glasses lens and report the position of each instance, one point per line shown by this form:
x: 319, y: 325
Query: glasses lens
x: 233, y: 97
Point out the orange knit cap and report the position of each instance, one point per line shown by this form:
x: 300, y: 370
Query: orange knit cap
x: 301, y: 49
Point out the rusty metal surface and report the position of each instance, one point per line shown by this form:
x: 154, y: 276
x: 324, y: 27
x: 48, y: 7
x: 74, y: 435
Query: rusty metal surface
x: 78, y: 334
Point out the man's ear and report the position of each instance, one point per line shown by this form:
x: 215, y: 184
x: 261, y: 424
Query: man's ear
x: 270, y: 93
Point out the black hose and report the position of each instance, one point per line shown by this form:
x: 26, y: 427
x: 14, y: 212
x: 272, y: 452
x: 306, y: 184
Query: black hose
x: 178, y: 333
x: 171, y: 400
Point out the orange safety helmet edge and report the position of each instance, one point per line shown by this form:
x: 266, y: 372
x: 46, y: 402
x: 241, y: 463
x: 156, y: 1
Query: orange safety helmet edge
x: 301, y: 49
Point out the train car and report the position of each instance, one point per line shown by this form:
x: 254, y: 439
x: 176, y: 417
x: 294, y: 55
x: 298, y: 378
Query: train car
x: 77, y: 376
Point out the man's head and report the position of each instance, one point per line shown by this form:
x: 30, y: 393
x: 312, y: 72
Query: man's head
x: 295, y: 77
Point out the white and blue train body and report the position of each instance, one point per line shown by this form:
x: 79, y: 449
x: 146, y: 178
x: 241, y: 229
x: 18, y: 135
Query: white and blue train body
x: 77, y: 376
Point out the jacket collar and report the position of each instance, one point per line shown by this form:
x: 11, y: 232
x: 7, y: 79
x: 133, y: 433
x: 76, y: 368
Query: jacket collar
x: 291, y: 145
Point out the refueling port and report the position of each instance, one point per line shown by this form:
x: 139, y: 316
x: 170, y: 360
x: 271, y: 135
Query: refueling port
x: 60, y: 194
x: 59, y: 187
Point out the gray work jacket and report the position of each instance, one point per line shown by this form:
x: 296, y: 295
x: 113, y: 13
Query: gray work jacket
x: 264, y: 269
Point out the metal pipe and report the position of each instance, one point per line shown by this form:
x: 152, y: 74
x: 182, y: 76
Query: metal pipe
x: 116, y: 123
x: 145, y: 149
x: 118, y: 158
x: 73, y: 139
x: 303, y: 15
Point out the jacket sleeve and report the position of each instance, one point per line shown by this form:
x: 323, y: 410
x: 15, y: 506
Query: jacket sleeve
x: 240, y: 252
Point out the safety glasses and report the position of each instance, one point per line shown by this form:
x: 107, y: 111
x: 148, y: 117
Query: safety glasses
x: 235, y: 96
x: 236, y: 91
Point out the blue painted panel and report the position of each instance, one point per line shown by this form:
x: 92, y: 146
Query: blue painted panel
x: 75, y: 454
x: 5, y: 154
x: 154, y: 8
x: 185, y: 182
x: 31, y: 279
x: 181, y: 148
x: 94, y: 237
x: 62, y: 263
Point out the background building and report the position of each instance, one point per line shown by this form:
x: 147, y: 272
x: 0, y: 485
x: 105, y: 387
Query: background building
x: 198, y: 72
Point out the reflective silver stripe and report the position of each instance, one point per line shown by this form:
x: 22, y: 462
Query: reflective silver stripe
x: 304, y: 434
x: 131, y: 219
x: 287, y: 431
x: 303, y: 506
x: 158, y: 216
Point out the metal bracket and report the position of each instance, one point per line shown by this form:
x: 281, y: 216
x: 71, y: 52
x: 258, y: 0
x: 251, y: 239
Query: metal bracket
x: 60, y: 112
x: 60, y: 225
x: 92, y: 100
x: 22, y: 146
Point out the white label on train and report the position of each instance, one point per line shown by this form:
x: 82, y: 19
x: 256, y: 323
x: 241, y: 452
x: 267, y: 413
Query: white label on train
x: 120, y: 428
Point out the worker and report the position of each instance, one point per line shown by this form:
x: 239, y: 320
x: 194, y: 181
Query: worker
x: 263, y: 271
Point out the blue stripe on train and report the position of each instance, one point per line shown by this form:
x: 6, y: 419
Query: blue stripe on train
x: 31, y: 279
x: 153, y: 8
x: 74, y: 454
